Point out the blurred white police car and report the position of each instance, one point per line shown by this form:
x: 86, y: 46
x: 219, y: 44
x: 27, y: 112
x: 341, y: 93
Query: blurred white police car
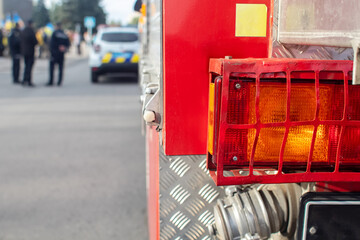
x: 115, y: 50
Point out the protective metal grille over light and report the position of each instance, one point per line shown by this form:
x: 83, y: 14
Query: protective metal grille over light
x: 276, y: 121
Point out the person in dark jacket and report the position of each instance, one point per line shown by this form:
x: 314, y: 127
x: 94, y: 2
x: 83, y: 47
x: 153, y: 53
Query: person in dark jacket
x: 28, y: 42
x: 59, y: 44
x: 2, y: 47
x: 138, y: 5
x: 15, y: 51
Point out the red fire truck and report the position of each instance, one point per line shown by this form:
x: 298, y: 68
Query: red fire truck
x: 252, y: 112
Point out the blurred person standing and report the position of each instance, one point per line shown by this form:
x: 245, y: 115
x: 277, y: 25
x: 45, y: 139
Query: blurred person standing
x: 15, y: 52
x: 77, y: 42
x: 59, y: 44
x: 28, y: 43
x: 39, y: 37
x: 46, y: 44
x: 77, y: 38
x: 2, y: 47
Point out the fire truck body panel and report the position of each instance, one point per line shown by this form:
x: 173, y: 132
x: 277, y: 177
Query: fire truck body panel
x: 317, y: 23
x: 152, y: 168
x: 316, y: 38
x: 178, y: 40
x: 194, y: 32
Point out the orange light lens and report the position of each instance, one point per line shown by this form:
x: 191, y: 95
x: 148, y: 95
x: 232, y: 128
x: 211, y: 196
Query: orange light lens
x: 267, y: 148
x: 354, y: 103
x: 350, y: 151
x: 272, y: 105
x: 298, y: 144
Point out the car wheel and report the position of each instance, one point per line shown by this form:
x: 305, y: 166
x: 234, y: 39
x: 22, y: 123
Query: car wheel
x: 94, y: 77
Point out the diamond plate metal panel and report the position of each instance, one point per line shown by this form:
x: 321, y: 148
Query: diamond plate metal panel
x: 187, y: 197
x: 280, y: 50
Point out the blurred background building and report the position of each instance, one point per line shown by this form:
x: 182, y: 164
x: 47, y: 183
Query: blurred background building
x: 22, y: 7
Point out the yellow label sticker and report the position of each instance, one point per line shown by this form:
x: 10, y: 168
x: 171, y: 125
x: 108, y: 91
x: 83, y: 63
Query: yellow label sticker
x: 251, y: 20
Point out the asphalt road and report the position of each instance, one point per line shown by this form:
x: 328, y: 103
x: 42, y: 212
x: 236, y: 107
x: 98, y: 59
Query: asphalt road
x: 72, y: 158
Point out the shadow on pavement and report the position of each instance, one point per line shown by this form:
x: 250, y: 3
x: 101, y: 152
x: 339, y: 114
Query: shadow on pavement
x: 119, y: 79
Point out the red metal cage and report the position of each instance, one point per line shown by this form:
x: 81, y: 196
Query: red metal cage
x: 283, y: 120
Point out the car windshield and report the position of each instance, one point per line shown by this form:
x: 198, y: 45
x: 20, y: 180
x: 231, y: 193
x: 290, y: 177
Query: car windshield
x: 119, y: 37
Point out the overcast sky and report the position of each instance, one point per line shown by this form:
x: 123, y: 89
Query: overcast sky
x: 117, y: 10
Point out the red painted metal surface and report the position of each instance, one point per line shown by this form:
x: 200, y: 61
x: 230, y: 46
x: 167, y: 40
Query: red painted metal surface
x: 194, y: 32
x: 152, y: 162
x: 337, y: 187
x: 288, y: 69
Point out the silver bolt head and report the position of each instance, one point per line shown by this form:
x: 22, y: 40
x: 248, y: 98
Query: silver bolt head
x: 312, y: 230
x: 238, y: 86
x: 235, y: 158
x: 149, y: 116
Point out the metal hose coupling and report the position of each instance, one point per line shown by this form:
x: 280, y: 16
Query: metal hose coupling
x: 257, y: 212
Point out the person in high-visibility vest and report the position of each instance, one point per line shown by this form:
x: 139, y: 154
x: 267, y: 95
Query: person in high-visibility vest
x: 39, y: 37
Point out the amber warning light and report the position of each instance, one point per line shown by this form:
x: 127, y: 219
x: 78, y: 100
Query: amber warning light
x: 275, y: 121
